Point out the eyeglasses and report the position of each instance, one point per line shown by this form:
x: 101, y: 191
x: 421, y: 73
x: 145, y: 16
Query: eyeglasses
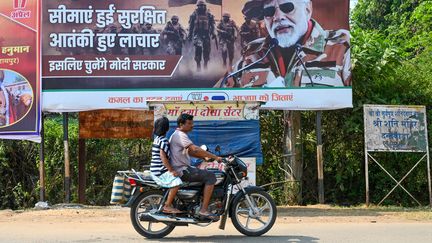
x: 284, y: 7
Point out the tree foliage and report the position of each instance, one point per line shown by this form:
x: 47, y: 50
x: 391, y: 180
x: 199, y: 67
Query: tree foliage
x: 391, y: 56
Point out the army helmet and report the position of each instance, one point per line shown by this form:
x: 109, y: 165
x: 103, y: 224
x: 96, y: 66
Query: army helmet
x: 175, y: 17
x: 201, y: 2
x: 226, y: 14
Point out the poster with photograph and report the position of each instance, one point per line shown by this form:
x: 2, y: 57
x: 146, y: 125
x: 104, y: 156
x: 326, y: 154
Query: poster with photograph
x: 291, y: 54
x: 20, y: 111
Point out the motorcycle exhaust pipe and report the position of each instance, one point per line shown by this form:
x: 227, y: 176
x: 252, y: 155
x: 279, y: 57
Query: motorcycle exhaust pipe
x: 166, y: 218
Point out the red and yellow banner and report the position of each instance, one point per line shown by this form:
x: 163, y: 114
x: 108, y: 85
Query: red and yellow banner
x: 20, y: 111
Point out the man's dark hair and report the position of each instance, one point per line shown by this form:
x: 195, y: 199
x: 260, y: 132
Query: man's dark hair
x: 161, y: 126
x: 183, y: 118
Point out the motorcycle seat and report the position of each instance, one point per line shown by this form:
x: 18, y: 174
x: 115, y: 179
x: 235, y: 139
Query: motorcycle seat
x: 191, y: 184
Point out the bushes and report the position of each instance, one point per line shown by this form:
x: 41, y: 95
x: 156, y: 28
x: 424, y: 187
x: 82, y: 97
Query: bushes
x: 20, y: 173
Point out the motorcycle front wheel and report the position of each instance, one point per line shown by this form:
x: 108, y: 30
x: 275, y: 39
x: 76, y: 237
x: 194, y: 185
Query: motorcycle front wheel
x: 145, y: 203
x: 252, y: 222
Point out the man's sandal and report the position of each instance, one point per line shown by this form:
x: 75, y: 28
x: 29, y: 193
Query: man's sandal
x: 209, y: 215
x: 171, y: 210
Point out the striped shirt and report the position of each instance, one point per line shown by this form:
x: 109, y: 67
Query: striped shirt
x: 156, y: 166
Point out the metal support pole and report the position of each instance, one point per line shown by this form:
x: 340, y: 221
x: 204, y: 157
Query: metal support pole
x: 81, y: 170
x: 366, y: 154
x: 367, y: 176
x: 42, y: 163
x: 429, y: 177
x: 67, y: 179
x: 428, y: 165
x: 320, y: 159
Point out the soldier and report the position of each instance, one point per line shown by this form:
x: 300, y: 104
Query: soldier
x: 174, y: 35
x: 227, y: 33
x: 325, y: 53
x: 148, y: 29
x: 129, y: 50
x: 249, y: 31
x: 201, y: 29
x: 116, y: 50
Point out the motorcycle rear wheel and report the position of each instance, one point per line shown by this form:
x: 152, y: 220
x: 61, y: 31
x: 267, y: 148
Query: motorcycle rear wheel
x: 145, y: 203
x: 246, y: 221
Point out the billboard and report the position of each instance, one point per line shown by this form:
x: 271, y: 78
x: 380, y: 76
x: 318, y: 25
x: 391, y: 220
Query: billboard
x: 122, y: 54
x: 20, y: 111
x: 395, y: 128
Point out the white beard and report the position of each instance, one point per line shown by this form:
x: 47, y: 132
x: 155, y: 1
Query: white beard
x: 289, y: 39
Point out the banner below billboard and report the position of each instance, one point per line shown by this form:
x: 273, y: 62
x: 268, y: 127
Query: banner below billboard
x: 20, y: 111
x: 295, y: 99
x: 116, y: 124
x: 229, y: 111
x: 178, y: 47
x: 395, y: 128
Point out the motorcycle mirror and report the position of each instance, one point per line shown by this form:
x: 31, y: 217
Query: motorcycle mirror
x: 204, y: 147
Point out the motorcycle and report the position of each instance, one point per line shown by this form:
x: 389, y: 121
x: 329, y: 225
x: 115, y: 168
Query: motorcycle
x: 251, y: 209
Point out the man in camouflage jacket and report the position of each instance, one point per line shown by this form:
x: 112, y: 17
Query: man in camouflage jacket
x: 325, y: 53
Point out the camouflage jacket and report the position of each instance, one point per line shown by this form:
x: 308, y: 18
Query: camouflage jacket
x: 174, y: 33
x: 227, y: 32
x: 249, y: 32
x: 201, y: 25
x: 325, y: 53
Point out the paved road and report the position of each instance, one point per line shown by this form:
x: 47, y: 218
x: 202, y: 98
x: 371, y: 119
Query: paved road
x: 282, y: 232
x: 293, y: 225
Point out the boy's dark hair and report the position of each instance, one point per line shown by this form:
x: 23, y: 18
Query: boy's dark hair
x: 183, y: 118
x: 161, y: 126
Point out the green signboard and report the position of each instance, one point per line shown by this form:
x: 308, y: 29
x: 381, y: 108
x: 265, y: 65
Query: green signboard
x: 395, y: 128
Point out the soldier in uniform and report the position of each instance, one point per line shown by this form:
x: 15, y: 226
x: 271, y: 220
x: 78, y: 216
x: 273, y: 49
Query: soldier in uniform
x: 116, y: 50
x: 201, y: 30
x: 227, y: 33
x: 148, y: 29
x: 249, y: 31
x: 129, y: 50
x: 325, y: 53
x: 174, y: 35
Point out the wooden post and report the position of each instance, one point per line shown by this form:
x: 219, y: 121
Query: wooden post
x: 42, y: 163
x: 81, y: 170
x: 292, y: 160
x: 320, y: 159
x: 67, y: 179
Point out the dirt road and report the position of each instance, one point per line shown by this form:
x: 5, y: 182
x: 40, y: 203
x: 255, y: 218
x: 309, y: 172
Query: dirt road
x: 294, y: 224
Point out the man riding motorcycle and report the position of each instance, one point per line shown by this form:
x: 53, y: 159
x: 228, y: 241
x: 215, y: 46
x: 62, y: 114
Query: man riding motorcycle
x: 181, y: 148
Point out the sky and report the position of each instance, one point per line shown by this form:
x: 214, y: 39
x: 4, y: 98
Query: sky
x: 353, y: 3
